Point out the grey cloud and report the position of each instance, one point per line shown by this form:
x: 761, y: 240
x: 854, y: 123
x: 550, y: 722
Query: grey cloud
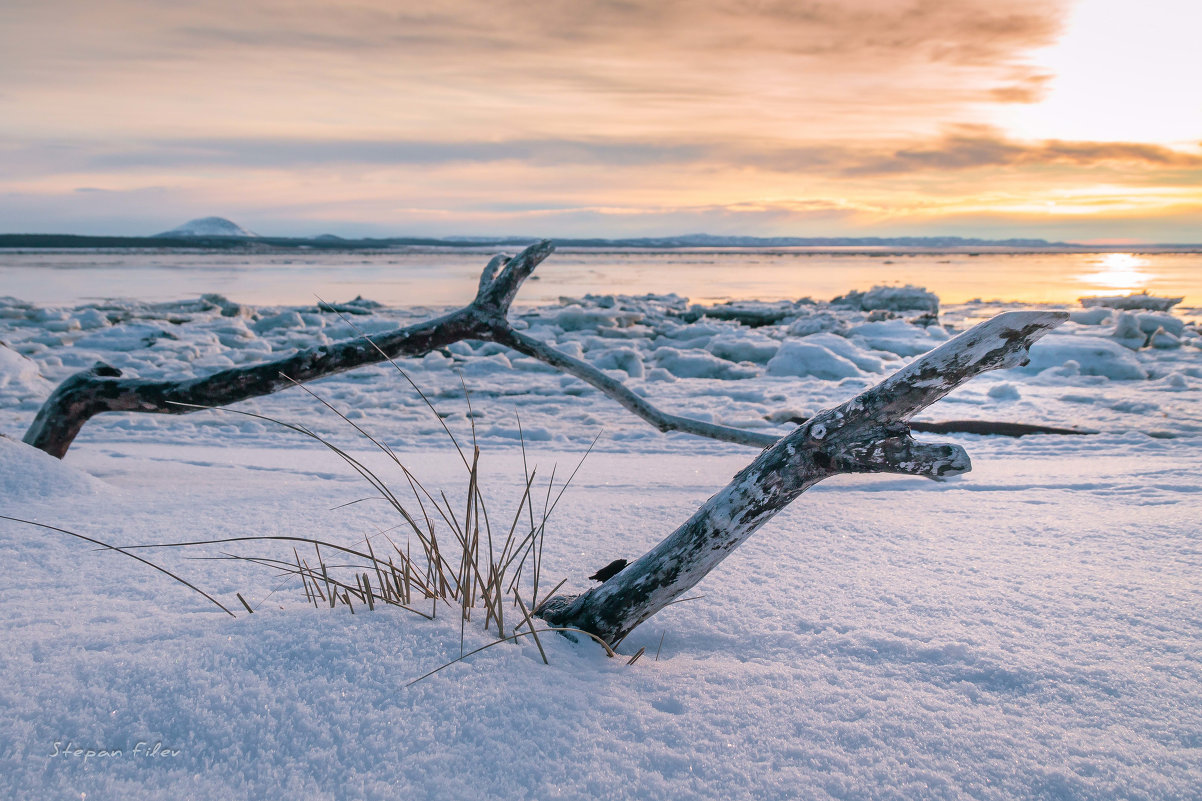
x: 543, y: 67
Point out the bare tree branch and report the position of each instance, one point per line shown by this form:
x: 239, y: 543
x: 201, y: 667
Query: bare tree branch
x: 632, y: 402
x: 867, y: 434
x: 102, y: 389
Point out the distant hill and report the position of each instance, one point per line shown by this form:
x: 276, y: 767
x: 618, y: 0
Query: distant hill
x: 209, y: 226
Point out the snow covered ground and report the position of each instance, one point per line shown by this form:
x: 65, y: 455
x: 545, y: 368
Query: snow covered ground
x: 1030, y: 630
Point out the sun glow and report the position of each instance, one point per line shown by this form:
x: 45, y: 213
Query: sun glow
x: 1119, y: 272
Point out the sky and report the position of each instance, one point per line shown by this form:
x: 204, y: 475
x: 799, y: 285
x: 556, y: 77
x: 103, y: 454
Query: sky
x: 1076, y: 121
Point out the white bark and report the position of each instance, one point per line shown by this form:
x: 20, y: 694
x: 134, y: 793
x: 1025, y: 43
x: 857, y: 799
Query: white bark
x: 867, y: 434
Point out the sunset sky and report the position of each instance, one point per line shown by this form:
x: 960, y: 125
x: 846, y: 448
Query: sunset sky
x: 1077, y: 121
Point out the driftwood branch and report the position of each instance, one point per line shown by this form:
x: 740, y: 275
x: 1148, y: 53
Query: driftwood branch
x: 867, y: 434
x: 622, y: 394
x: 103, y: 389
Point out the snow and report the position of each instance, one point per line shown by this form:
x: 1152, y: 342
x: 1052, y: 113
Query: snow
x: 1150, y: 322
x: 1029, y: 630
x: 1094, y: 316
x: 123, y: 338
x: 1138, y: 300
x: 898, y: 336
x: 1094, y: 356
x: 20, y: 377
x: 739, y: 347
x: 1004, y: 392
x: 890, y: 298
x: 872, y: 362
x: 803, y: 358
x: 683, y: 364
x: 27, y: 474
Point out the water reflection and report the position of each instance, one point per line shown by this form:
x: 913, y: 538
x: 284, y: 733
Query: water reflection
x: 448, y: 277
x: 1123, y: 272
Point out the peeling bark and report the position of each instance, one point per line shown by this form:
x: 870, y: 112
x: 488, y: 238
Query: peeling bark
x: 867, y: 434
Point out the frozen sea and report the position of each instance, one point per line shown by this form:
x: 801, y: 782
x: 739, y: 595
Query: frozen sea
x: 1032, y: 629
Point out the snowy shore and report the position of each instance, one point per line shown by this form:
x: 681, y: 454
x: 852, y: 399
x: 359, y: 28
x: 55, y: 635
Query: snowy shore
x: 1030, y: 630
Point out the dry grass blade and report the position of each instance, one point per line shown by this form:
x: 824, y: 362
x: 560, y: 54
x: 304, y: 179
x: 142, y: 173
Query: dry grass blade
x: 682, y: 600
x: 301, y: 572
x: 579, y: 464
x: 471, y: 415
x: 636, y: 656
x: 355, y: 464
x: 530, y: 625
x: 550, y: 594
x: 505, y: 552
x: 126, y: 552
x: 404, y: 375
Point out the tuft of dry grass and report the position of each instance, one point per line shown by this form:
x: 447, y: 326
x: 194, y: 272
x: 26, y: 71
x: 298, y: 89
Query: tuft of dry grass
x: 451, y: 558
x: 451, y: 555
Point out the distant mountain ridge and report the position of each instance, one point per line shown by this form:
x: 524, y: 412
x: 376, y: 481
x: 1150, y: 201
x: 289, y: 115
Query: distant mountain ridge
x: 722, y: 241
x: 219, y: 233
x: 221, y: 227
x: 209, y: 226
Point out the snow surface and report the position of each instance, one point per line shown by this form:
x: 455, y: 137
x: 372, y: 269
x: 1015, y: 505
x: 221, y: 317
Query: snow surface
x: 1030, y: 630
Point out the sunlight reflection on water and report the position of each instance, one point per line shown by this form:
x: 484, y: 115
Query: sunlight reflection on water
x: 1124, y: 272
x: 449, y: 276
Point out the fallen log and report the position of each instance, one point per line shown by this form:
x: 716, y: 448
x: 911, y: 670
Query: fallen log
x: 867, y: 434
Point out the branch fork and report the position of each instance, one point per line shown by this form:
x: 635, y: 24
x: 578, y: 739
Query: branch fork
x: 867, y: 434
